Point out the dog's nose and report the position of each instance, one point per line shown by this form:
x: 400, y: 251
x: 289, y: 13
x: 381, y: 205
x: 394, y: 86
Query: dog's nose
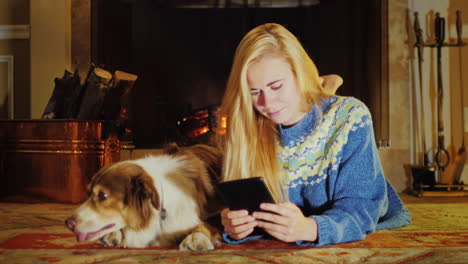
x: 71, y: 223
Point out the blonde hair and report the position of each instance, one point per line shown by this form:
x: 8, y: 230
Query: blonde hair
x: 250, y: 143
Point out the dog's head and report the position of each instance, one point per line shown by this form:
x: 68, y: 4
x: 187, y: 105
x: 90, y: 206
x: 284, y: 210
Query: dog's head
x: 122, y: 195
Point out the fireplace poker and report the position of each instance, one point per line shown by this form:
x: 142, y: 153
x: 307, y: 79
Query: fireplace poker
x: 460, y: 156
x: 442, y: 157
x: 424, y: 173
x: 420, y: 46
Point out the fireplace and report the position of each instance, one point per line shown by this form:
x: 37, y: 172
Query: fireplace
x: 183, y: 55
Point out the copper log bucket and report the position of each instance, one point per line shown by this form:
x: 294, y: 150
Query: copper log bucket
x: 52, y: 160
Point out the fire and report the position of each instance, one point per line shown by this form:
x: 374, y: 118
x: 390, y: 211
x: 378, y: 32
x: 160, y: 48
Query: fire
x: 222, y: 125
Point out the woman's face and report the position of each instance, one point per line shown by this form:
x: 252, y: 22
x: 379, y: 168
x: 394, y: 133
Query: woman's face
x: 274, y: 91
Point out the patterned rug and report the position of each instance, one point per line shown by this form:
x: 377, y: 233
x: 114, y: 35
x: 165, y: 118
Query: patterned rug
x: 35, y: 233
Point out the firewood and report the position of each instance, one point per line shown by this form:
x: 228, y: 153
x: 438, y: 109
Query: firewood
x: 64, y: 96
x: 116, y: 106
x: 95, y: 89
x: 117, y: 98
x: 71, y: 97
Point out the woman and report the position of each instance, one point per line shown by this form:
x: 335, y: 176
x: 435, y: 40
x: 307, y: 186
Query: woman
x: 316, y: 151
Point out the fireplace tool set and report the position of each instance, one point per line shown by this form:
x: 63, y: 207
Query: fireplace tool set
x: 443, y: 177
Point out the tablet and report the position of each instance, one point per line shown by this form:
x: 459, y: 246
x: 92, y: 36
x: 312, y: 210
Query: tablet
x: 245, y: 194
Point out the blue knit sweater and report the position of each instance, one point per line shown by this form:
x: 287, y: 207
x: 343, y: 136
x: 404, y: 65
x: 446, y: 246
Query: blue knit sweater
x: 334, y: 174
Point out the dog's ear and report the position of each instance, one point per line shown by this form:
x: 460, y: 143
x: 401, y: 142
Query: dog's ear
x: 142, y: 189
x: 171, y: 148
x: 142, y: 195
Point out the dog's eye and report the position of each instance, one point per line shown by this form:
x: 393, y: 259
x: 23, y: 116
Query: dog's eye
x: 102, y: 196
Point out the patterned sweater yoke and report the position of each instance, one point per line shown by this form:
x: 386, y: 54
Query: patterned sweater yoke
x: 314, y: 146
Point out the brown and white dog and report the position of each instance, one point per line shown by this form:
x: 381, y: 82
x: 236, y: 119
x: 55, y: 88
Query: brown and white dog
x: 155, y: 201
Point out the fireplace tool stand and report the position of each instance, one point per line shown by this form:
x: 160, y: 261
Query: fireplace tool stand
x: 443, y: 178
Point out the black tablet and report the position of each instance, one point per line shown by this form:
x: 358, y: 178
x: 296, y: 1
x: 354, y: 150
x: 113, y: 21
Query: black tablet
x: 245, y: 194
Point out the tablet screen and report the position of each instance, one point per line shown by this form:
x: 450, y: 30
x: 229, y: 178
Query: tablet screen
x: 246, y: 194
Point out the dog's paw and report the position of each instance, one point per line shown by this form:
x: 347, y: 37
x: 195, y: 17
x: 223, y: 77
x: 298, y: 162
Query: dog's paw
x: 113, y: 239
x: 196, y: 242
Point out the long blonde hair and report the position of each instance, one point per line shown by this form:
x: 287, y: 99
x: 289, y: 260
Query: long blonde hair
x: 250, y: 143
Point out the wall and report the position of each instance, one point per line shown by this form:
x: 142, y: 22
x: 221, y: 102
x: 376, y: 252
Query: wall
x: 81, y: 35
x: 60, y: 40
x: 14, y: 41
x: 50, y: 49
x: 397, y: 155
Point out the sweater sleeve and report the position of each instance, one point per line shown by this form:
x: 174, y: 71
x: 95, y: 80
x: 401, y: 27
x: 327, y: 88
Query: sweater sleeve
x: 233, y: 241
x: 357, y: 192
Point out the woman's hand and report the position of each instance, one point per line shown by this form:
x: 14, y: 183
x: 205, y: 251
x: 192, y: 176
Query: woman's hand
x: 286, y: 222
x: 238, y: 224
